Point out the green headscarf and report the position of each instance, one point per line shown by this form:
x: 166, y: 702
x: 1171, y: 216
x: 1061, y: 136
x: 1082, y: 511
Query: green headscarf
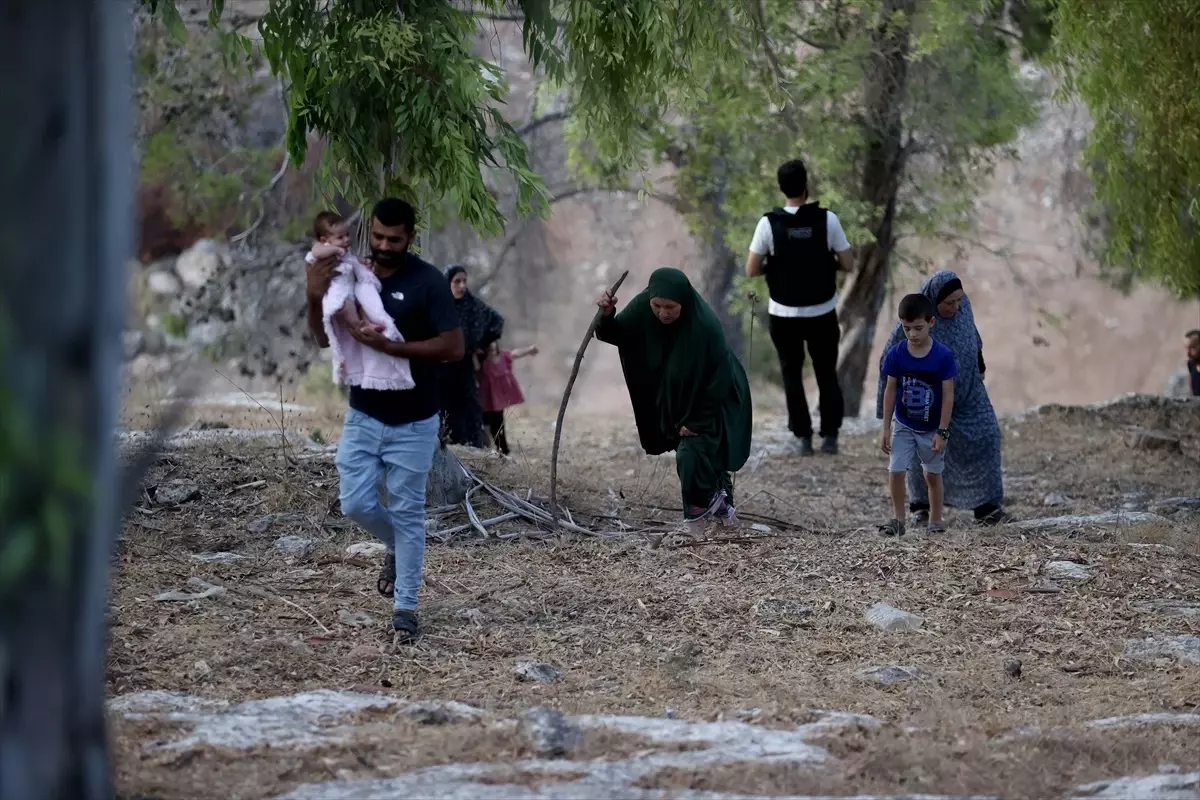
x: 682, y: 374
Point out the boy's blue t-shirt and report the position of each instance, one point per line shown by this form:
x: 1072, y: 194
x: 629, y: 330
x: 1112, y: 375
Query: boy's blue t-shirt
x: 919, y: 383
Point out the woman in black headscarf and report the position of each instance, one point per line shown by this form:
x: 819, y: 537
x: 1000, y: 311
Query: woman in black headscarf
x: 481, y: 325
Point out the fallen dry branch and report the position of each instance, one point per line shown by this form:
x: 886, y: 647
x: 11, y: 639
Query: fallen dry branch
x: 723, y: 540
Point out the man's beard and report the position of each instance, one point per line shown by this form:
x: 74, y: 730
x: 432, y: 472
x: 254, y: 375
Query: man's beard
x: 388, y: 259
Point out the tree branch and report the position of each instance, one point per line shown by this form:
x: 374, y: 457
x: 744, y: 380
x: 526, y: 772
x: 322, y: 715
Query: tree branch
x: 510, y: 18
x: 537, y: 122
x: 813, y: 43
x: 760, y: 17
x: 262, y: 199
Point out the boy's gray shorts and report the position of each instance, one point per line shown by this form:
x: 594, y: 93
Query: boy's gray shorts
x: 908, y: 444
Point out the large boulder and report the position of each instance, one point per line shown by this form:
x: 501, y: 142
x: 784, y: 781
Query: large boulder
x: 200, y: 263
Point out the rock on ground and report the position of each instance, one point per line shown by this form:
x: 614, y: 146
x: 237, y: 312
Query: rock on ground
x: 355, y: 619
x: 1142, y: 720
x: 175, y: 493
x: 890, y: 676
x: 1171, y: 608
x: 548, y: 733
x: 1149, y: 787
x: 1173, y: 505
x: 1110, y: 518
x: 1069, y: 570
x: 783, y: 609
x: 264, y: 524
x: 366, y: 549
x: 323, y: 719
x: 320, y: 719
x: 891, y: 619
x: 223, y: 557
x: 203, y: 590
x: 1185, y: 649
x: 537, y: 671
x: 294, y: 546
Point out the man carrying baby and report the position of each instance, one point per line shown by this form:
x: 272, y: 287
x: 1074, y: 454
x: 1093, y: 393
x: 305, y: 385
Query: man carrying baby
x: 390, y: 436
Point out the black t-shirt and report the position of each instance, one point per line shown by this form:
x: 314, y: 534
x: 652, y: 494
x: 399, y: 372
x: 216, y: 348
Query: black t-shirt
x: 1194, y: 374
x: 418, y: 298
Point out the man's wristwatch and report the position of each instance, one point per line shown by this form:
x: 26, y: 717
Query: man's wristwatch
x: 943, y: 432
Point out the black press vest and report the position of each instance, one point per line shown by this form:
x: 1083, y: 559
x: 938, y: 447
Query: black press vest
x: 803, y: 270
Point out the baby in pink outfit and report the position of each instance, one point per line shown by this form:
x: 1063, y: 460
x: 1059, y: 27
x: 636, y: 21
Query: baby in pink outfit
x: 352, y: 302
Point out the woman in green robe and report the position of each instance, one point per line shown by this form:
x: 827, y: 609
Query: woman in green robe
x: 689, y: 391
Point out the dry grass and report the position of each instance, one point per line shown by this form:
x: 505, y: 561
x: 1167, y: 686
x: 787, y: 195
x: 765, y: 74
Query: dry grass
x: 637, y: 629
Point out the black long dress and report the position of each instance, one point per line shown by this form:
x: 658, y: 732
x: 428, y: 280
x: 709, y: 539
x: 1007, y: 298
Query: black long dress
x: 481, y: 325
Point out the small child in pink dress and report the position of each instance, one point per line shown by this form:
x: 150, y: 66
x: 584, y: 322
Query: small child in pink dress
x: 351, y: 302
x: 498, y: 389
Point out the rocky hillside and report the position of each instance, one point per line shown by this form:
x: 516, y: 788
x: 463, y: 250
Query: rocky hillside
x: 1054, y: 330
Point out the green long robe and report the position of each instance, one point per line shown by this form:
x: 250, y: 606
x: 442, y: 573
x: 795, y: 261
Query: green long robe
x: 683, y: 375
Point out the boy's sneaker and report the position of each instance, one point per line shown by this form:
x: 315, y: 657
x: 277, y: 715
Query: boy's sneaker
x: 893, y: 527
x: 829, y: 445
x: 936, y: 527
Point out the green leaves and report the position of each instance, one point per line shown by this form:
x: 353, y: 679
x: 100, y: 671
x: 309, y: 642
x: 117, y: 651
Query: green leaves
x: 406, y: 108
x: 1136, y: 66
x: 781, y: 97
x: 168, y: 14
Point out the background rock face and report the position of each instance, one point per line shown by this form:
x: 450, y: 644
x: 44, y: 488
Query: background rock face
x: 1053, y: 331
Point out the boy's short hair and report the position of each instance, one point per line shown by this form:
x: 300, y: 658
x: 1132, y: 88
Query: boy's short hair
x: 916, y: 306
x: 324, y: 222
x: 793, y: 179
x: 394, y: 212
x: 1190, y: 334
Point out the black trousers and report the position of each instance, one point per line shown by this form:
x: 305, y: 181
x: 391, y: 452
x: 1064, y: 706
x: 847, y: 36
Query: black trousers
x: 495, y: 425
x: 821, y: 335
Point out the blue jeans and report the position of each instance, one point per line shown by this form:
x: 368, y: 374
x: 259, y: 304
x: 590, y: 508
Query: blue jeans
x: 372, y: 454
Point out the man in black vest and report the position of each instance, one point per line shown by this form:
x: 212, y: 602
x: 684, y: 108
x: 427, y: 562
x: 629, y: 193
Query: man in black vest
x: 800, y: 248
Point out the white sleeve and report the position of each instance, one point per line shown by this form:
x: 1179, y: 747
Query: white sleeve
x: 835, y: 235
x: 763, y: 243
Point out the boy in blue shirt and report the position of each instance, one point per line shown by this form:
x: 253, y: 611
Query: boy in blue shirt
x: 917, y: 403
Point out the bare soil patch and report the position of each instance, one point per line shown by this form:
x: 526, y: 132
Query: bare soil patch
x: 639, y: 629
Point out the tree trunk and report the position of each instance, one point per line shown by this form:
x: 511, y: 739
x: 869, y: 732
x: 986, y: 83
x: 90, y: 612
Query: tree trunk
x: 883, y: 136
x: 859, y: 313
x: 67, y: 222
x: 720, y: 268
x: 721, y: 263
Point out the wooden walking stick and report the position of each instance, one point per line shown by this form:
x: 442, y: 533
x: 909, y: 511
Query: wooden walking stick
x: 562, y: 407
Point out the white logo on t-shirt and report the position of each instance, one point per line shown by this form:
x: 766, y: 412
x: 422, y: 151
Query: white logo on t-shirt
x: 398, y: 295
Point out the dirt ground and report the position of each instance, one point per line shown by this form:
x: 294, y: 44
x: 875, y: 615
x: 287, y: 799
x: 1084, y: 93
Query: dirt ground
x: 766, y: 616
